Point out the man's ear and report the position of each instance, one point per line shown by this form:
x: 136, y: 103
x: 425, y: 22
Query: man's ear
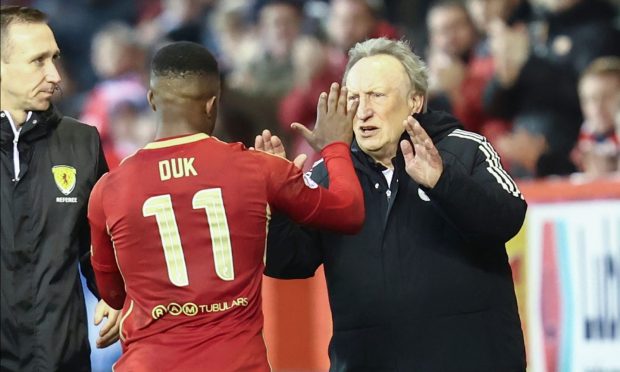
x: 417, y: 103
x: 149, y: 97
x: 210, y: 106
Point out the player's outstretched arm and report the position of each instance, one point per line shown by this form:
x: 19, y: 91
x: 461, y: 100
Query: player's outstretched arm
x: 341, y: 207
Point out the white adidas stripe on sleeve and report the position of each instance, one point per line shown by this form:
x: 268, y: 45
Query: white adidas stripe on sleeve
x: 493, y: 160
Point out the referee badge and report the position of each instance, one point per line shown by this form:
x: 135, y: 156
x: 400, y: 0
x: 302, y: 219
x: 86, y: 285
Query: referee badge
x: 64, y: 176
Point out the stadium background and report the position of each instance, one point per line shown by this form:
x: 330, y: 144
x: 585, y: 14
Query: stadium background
x: 566, y: 259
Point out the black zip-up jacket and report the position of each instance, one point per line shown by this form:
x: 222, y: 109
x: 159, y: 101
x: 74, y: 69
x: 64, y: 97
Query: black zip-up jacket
x: 44, y: 235
x: 426, y: 285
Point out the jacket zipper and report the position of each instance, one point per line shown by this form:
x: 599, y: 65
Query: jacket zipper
x: 16, y: 132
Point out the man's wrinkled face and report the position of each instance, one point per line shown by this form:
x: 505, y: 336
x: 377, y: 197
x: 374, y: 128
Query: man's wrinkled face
x: 28, y: 74
x: 386, y: 98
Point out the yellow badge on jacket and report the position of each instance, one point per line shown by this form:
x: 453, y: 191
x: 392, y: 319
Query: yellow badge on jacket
x: 64, y: 176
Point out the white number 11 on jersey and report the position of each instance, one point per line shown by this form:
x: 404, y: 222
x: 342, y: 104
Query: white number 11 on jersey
x: 211, y: 200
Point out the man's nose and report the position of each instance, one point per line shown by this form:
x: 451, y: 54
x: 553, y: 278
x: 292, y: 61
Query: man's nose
x: 51, y: 74
x: 364, y: 111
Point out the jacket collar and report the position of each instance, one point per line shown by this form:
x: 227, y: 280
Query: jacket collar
x: 39, y: 124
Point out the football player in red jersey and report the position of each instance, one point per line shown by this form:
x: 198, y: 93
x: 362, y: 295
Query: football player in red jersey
x: 179, y: 229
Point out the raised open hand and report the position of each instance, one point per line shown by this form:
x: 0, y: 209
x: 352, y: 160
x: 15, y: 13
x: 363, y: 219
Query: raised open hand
x: 272, y: 144
x: 334, y: 122
x: 422, y: 161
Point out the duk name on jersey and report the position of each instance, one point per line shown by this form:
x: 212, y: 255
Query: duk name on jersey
x: 65, y: 177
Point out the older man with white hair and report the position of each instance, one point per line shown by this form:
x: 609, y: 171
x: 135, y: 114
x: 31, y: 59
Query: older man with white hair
x: 426, y: 285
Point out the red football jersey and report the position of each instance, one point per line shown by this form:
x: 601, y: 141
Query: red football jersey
x: 178, y: 240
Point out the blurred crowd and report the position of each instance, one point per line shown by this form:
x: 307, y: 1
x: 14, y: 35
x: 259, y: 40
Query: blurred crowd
x: 539, y: 78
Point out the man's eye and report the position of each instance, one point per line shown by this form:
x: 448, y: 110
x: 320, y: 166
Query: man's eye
x: 378, y: 94
x: 353, y: 98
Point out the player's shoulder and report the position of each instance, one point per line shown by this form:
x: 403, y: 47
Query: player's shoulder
x: 128, y: 159
x: 101, y: 184
x: 251, y: 154
x: 209, y: 145
x: 229, y: 146
x: 128, y: 165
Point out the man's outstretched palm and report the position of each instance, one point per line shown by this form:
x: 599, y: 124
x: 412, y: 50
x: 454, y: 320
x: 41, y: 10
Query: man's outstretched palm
x: 422, y: 161
x: 334, y: 123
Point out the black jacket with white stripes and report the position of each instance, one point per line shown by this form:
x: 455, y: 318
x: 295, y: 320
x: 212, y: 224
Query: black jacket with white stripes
x: 426, y: 284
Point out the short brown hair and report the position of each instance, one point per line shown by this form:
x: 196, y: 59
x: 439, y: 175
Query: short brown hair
x: 10, y: 14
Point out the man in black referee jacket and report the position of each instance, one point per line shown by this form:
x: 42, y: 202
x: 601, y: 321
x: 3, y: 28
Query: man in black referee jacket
x: 49, y: 165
